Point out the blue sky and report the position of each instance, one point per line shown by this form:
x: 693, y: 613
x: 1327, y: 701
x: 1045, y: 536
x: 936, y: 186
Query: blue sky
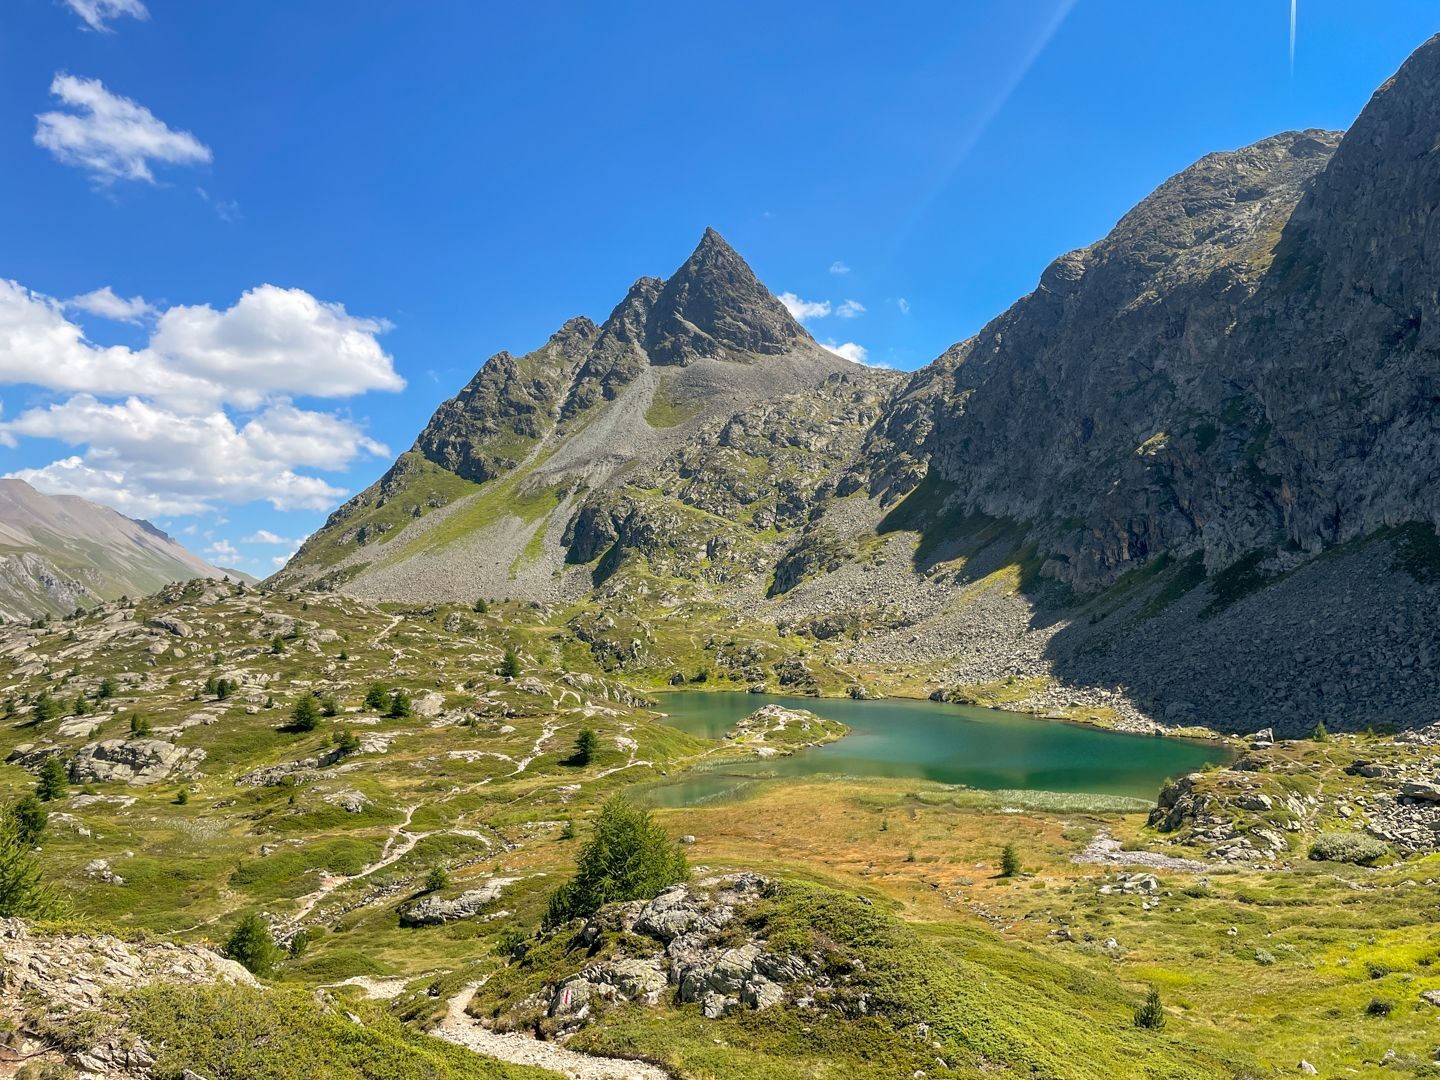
x: 315, y: 221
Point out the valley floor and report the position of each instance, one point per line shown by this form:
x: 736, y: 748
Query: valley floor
x: 1264, y: 958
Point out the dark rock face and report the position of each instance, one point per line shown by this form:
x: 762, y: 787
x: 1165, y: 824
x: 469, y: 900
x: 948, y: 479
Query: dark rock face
x: 1246, y: 361
x: 507, y: 406
x: 713, y: 303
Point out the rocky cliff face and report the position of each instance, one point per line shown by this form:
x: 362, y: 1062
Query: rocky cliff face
x: 1244, y: 364
x: 59, y: 552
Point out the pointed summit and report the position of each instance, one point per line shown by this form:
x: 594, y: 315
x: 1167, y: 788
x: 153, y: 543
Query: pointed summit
x: 714, y: 303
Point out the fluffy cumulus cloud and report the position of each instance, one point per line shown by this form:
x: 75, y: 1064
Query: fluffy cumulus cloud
x: 800, y: 310
x: 849, y: 350
x: 222, y: 551
x: 97, y: 14
x: 108, y: 305
x: 109, y: 136
x: 147, y: 460
x: 265, y: 536
x: 273, y: 341
x: 204, y: 413
x: 850, y: 309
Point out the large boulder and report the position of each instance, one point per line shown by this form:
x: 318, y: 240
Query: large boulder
x: 133, y: 761
x: 434, y: 910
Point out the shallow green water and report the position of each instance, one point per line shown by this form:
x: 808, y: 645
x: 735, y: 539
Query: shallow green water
x: 951, y: 744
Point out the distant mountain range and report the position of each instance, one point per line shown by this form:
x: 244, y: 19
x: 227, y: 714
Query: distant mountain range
x: 1193, y: 477
x: 60, y: 552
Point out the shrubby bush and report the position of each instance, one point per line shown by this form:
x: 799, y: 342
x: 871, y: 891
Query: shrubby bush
x: 1347, y: 847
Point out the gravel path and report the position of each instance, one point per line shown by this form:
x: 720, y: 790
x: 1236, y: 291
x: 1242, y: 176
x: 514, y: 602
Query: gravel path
x: 460, y: 1029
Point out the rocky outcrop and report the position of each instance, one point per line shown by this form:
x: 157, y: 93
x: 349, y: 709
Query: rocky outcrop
x: 57, y: 985
x: 133, y: 761
x: 690, y: 957
x: 434, y: 910
x: 773, y: 729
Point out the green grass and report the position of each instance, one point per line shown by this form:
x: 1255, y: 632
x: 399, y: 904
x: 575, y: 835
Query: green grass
x: 235, y: 1033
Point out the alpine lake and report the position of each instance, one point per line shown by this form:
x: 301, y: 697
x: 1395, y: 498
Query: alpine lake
x: 980, y: 748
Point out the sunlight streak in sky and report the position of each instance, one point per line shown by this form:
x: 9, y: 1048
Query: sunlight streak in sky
x: 992, y: 108
x: 1293, y: 6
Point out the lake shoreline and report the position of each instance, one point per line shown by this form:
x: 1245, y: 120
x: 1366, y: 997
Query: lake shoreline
x: 955, y: 745
x: 1188, y: 733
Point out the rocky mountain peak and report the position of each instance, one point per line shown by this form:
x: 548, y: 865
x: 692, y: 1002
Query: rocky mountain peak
x: 714, y: 303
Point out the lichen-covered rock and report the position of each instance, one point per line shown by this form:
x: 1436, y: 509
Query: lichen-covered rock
x: 434, y: 910
x: 133, y: 761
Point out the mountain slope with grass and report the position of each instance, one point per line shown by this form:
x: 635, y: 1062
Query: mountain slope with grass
x: 60, y: 552
x: 481, y: 504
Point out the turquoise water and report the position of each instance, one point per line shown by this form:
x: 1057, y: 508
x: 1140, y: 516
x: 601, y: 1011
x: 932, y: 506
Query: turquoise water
x: 928, y: 740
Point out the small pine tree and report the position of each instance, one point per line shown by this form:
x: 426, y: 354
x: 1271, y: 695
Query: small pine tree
x: 223, y: 688
x: 44, y: 708
x: 1151, y: 1014
x: 30, y: 817
x: 212, y: 686
x: 298, y: 944
x: 377, y: 697
x: 510, y: 665
x: 1009, y: 861
x: 399, y: 705
x: 329, y: 706
x: 306, y: 714
x: 253, y: 945
x: 437, y: 879
x: 585, y: 747
x: 108, y: 688
x: 567, y: 832
x: 81, y: 706
x: 182, y: 797
x: 347, y: 742
x: 23, y: 893
x: 1321, y: 735
x: 53, y: 781
x: 139, y: 725
x: 277, y: 645
x: 481, y: 607
x: 628, y: 857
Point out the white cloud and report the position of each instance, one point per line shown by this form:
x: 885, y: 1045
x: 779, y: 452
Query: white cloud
x: 111, y: 137
x: 903, y: 305
x: 265, y: 536
x: 850, y: 309
x: 98, y: 13
x: 838, y: 267
x: 147, y: 460
x: 856, y: 354
x: 202, y: 415
x: 224, y: 552
x: 279, y: 561
x: 277, y: 340
x: 272, y: 342
x: 800, y: 310
x: 107, y: 305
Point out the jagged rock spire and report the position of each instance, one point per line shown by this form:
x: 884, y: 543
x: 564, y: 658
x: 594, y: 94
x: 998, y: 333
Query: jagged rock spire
x: 713, y: 303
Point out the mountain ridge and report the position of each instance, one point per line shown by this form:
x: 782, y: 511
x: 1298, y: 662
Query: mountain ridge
x: 60, y: 552
x: 1173, y: 422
